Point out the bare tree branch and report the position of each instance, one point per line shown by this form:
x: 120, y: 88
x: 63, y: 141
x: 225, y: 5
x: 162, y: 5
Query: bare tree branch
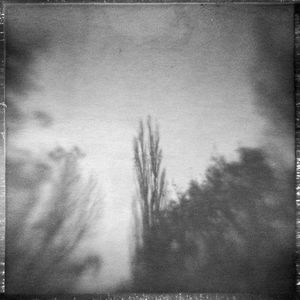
x: 60, y: 224
x: 150, y: 177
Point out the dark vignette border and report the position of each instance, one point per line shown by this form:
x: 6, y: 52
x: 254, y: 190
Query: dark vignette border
x: 297, y: 136
x: 134, y: 296
x: 2, y: 151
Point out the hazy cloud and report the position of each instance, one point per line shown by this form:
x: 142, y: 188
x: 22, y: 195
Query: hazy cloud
x: 43, y: 118
x: 23, y: 48
x: 154, y: 26
x: 271, y: 73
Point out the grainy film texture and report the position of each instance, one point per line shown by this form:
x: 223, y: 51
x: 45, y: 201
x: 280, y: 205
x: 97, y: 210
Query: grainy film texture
x: 150, y: 148
x: 2, y: 154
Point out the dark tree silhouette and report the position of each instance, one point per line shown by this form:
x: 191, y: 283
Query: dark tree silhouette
x: 50, y: 210
x: 151, y: 192
x: 235, y: 230
x: 232, y: 232
x: 150, y: 177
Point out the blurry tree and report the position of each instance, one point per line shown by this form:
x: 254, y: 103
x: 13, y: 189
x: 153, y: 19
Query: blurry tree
x: 50, y: 210
x: 150, y: 177
x: 151, y: 191
x: 234, y: 229
x: 233, y: 232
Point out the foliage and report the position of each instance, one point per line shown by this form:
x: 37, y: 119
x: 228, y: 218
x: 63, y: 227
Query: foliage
x: 234, y: 232
x: 236, y: 221
x: 50, y: 210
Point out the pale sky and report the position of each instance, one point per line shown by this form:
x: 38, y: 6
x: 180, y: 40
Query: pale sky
x: 104, y: 67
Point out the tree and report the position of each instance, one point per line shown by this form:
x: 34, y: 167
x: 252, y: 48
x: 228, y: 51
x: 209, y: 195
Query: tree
x: 235, y: 230
x: 50, y: 210
x: 150, y: 177
x: 151, y: 191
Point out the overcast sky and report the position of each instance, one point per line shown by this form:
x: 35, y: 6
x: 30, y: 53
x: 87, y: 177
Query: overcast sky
x: 204, y: 73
